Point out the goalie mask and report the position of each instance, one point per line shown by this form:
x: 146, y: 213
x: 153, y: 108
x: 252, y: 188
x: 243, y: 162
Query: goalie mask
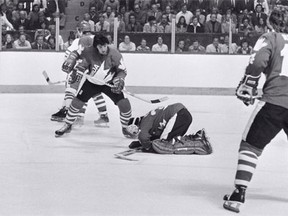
x: 133, y: 125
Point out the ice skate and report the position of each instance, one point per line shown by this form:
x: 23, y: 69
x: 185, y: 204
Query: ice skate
x: 102, y: 121
x: 129, y: 135
x: 201, y: 136
x: 60, y: 115
x: 235, y: 200
x: 65, y: 129
x: 79, y: 121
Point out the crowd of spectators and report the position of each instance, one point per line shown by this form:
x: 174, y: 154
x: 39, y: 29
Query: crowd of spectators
x: 245, y: 17
x: 30, y: 24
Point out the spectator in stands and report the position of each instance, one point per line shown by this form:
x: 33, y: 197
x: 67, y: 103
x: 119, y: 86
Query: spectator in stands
x: 120, y: 24
x: 6, y: 25
x: 42, y: 4
x: 158, y: 3
x: 102, y: 25
x: 215, y: 4
x: 225, y: 25
x: 39, y: 44
x: 127, y: 45
x: 34, y: 17
x: 87, y: 20
x: 245, y: 49
x: 201, y: 17
x: 264, y: 4
x: 8, y: 42
x: 70, y: 40
x: 22, y: 31
x: 184, y: 12
x: 181, y: 26
x: 98, y: 4
x: 218, y: 15
x: 113, y: 4
x: 133, y: 26
x: 241, y: 5
x: 231, y: 15
x: 245, y: 28
x: 109, y: 15
x: 195, y: 26
x: 261, y: 28
x: 155, y: 12
x: 258, y: 14
x: 245, y: 14
x: 172, y: 4
x: 16, y: 11
x: 214, y: 47
x: 196, y: 48
x: 164, y: 26
x: 52, y: 31
x: 22, y: 43
x: 151, y: 25
x: 225, y: 48
x: 160, y: 46
x: 168, y: 12
x: 201, y: 5
x: 143, y: 46
x: 22, y: 20
x: 94, y: 15
x: 52, y: 42
x: 110, y: 39
x: 180, y: 46
x: 124, y: 14
x: 140, y: 16
x: 213, y: 26
x: 43, y: 21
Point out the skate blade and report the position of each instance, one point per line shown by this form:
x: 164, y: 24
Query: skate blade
x: 232, y: 206
x: 101, y: 126
x: 57, y: 119
x: 124, y: 157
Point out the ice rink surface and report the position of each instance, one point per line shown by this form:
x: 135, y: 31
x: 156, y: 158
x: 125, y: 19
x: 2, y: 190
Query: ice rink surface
x: 78, y: 175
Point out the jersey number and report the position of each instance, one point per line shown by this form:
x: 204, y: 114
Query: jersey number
x: 284, y: 54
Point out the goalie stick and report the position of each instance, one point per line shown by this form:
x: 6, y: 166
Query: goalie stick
x: 124, y: 154
x: 45, y: 74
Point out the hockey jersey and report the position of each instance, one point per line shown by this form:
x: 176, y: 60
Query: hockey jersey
x: 154, y: 123
x: 270, y: 57
x: 102, y: 68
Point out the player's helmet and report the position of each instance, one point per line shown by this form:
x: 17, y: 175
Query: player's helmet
x: 100, y: 39
x: 277, y: 20
x: 85, y: 27
x: 133, y: 125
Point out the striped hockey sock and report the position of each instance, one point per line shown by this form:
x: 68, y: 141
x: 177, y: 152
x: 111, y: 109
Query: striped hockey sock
x: 83, y: 110
x: 124, y: 118
x: 72, y: 114
x: 69, y: 95
x: 100, y: 104
x: 247, y: 162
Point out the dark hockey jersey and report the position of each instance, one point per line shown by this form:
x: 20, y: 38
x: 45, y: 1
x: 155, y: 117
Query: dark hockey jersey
x: 270, y: 57
x: 102, y: 68
x: 154, y: 123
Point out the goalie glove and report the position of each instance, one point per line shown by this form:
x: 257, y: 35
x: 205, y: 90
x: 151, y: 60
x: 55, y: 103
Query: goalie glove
x: 247, y: 89
x: 118, y: 85
x: 70, y: 62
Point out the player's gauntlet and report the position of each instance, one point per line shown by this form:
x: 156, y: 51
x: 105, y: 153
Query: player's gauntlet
x: 70, y: 62
x: 118, y: 85
x: 246, y: 91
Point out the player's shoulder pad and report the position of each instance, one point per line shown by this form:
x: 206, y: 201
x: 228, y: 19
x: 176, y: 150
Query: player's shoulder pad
x: 86, y: 41
x: 263, y: 41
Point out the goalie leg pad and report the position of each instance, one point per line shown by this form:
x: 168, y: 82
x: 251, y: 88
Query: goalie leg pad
x: 162, y: 146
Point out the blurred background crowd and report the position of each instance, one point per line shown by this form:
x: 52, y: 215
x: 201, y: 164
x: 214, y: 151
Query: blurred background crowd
x: 201, y: 26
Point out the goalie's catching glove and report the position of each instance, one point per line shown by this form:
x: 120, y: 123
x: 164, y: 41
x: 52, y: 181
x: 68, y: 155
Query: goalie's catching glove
x: 70, y: 62
x: 118, y: 85
x: 246, y: 91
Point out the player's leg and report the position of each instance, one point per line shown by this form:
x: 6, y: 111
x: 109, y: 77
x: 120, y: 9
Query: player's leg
x: 102, y: 109
x: 86, y: 91
x: 124, y: 108
x: 264, y: 124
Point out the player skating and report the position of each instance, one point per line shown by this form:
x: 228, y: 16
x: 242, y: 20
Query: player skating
x: 163, y: 131
x: 73, y: 83
x: 105, y: 65
x: 271, y: 113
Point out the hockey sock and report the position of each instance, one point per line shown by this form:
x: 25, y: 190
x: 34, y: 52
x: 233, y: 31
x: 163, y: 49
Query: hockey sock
x: 125, y: 111
x: 73, y: 111
x: 83, y: 110
x: 247, y: 162
x: 100, y: 104
x: 69, y: 95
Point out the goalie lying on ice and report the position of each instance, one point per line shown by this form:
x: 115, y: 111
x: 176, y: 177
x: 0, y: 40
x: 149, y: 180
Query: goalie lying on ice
x: 163, y: 131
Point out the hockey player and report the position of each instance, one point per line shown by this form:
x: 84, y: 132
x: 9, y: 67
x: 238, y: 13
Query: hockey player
x: 162, y: 131
x: 105, y: 65
x: 72, y: 86
x: 271, y: 113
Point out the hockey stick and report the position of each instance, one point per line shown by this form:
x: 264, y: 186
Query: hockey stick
x: 124, y: 154
x: 49, y: 81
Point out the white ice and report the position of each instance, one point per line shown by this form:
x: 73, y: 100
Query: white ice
x: 78, y: 175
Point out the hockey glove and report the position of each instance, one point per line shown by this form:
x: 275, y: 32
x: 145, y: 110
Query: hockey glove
x: 70, y: 62
x: 247, y: 89
x: 118, y: 85
x: 74, y: 77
